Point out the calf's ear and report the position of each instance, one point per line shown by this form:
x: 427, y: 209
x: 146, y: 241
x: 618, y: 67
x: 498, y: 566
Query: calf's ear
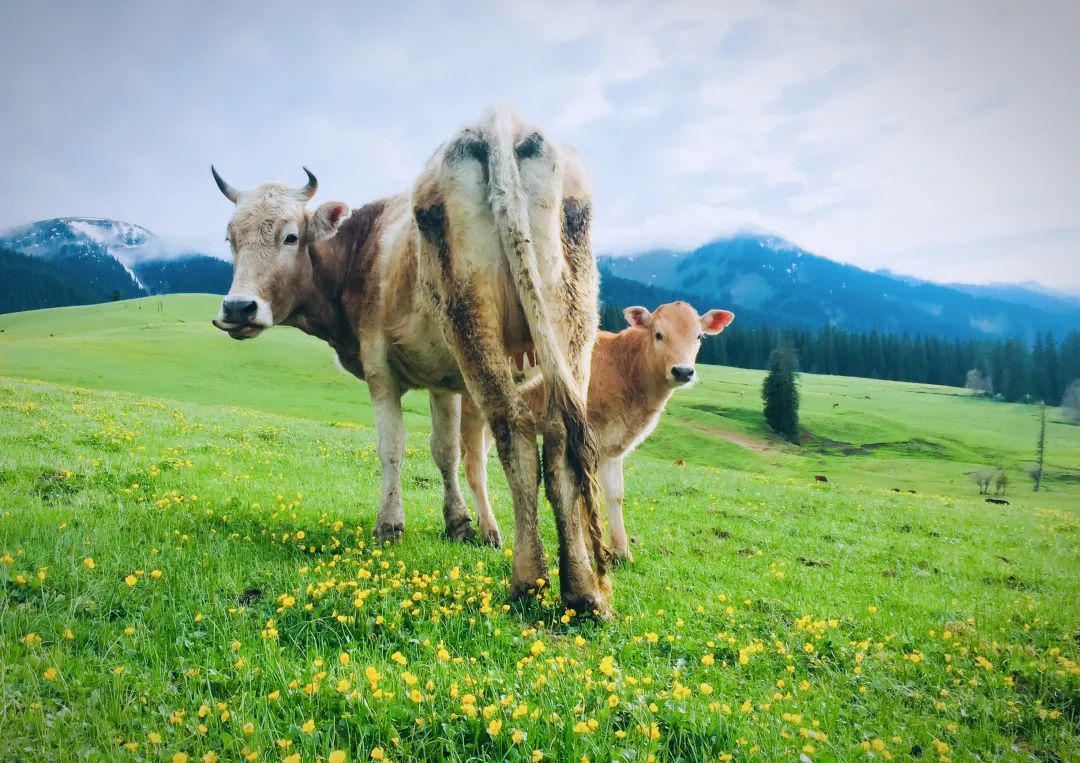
x: 327, y: 219
x: 714, y: 321
x: 638, y: 317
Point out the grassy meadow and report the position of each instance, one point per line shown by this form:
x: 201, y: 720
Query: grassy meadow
x: 187, y: 572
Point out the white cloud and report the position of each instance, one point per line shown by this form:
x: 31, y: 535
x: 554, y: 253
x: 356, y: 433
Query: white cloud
x: 912, y: 135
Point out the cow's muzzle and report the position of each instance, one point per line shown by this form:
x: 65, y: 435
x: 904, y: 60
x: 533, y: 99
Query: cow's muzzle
x: 239, y: 317
x: 238, y: 331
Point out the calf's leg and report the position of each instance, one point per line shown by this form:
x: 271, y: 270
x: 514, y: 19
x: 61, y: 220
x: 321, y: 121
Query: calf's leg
x: 610, y: 474
x: 445, y: 449
x: 474, y: 450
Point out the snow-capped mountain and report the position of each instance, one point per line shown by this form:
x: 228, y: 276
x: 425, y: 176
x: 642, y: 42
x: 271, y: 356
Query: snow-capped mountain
x: 102, y: 260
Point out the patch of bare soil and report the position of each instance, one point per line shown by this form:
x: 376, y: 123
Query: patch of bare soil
x: 743, y: 441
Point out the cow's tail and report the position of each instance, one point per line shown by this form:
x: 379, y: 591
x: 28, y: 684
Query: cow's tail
x: 510, y: 209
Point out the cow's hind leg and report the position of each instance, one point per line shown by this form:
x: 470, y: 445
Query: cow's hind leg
x: 445, y: 449
x: 584, y: 586
x: 474, y: 332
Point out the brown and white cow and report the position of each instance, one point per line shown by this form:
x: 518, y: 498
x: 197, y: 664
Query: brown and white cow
x: 634, y: 373
x: 486, y: 258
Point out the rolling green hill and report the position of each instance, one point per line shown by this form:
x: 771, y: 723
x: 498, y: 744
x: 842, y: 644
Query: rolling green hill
x: 187, y: 573
x: 861, y: 431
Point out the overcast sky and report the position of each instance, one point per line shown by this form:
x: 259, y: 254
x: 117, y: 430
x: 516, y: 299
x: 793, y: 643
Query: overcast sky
x: 938, y: 139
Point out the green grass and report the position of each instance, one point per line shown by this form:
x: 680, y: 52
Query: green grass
x: 136, y: 453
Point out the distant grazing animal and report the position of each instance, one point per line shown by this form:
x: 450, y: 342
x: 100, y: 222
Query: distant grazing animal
x: 820, y: 478
x: 998, y: 501
x: 486, y: 258
x: 634, y: 373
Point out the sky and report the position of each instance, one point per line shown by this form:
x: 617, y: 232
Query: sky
x: 934, y: 139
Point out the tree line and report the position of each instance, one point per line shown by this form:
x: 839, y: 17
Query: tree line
x: 1008, y: 368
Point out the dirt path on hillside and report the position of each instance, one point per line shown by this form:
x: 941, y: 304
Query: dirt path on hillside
x: 743, y: 441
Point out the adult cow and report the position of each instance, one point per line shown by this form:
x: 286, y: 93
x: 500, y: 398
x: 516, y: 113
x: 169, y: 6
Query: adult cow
x: 486, y: 259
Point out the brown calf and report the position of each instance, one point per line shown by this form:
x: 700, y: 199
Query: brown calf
x: 634, y: 373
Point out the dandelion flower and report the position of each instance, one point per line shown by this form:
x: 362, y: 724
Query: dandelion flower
x: 337, y: 756
x: 131, y: 580
x: 88, y: 562
x: 309, y: 726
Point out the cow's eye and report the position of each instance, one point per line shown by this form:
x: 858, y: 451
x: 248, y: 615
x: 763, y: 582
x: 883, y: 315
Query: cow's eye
x: 291, y: 239
x: 659, y: 337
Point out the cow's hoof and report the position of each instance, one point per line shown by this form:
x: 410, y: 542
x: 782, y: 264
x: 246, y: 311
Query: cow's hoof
x: 461, y: 532
x: 594, y: 604
x: 389, y: 531
x: 527, y: 590
x: 492, y: 536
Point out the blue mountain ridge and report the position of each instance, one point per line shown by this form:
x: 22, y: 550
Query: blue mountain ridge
x: 778, y: 281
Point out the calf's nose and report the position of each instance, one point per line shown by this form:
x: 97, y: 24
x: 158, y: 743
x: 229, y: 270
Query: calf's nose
x: 238, y: 309
x: 682, y: 373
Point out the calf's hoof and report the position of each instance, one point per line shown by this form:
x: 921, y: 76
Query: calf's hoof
x: 619, y: 556
x: 461, y: 531
x: 491, y: 536
x: 389, y: 531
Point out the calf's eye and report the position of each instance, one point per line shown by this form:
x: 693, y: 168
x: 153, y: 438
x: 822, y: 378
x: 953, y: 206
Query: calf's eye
x: 659, y: 336
x: 291, y: 239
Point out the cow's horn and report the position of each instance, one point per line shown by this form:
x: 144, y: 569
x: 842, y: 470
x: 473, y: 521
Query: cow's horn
x: 312, y: 185
x: 230, y: 193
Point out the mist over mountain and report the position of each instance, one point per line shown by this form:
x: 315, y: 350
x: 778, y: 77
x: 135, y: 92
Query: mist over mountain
x: 81, y: 260
x: 774, y: 280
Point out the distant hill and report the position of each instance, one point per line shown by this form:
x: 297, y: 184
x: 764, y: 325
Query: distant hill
x: 1031, y: 294
x: 765, y: 275
x: 78, y: 260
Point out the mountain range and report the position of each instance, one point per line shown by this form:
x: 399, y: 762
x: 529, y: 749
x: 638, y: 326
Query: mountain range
x: 764, y: 279
x: 81, y: 260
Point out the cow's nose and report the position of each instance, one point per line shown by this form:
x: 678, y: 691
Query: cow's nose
x: 238, y: 310
x: 682, y: 373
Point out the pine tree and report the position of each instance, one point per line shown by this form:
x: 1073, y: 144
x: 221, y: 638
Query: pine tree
x: 780, y: 393
x: 1040, y: 452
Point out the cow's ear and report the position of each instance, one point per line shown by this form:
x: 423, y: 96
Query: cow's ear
x: 327, y: 219
x: 638, y: 317
x: 714, y: 321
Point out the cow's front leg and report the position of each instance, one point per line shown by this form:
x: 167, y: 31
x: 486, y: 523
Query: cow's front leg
x: 390, y: 427
x: 445, y: 449
x: 610, y: 473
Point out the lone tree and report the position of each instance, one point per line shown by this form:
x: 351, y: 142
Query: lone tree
x: 781, y: 394
x: 1040, y: 451
x: 979, y: 384
x: 1070, y: 402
